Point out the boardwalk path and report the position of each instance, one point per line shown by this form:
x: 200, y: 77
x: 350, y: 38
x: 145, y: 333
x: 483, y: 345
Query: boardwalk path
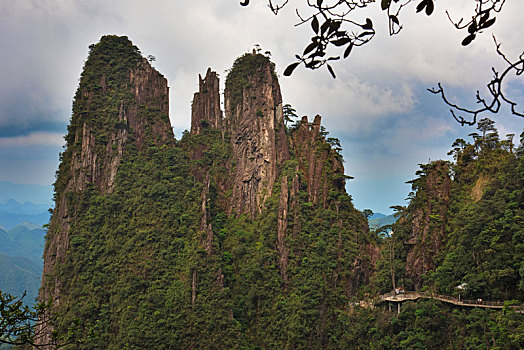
x: 398, y: 298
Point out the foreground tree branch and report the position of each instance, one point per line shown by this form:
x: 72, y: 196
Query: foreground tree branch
x: 480, y: 20
x: 23, y: 325
x: 466, y: 116
x: 335, y: 28
x: 336, y: 33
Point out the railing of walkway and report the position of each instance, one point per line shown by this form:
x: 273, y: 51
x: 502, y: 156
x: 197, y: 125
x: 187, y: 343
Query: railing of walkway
x: 392, y: 296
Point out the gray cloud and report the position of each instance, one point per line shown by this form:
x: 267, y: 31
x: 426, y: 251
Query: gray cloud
x: 377, y: 106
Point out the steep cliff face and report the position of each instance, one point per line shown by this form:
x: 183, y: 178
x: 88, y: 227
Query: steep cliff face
x: 428, y: 219
x: 205, y: 109
x: 242, y: 223
x: 121, y: 102
x: 317, y: 161
x: 120, y: 97
x: 260, y: 152
x: 254, y: 118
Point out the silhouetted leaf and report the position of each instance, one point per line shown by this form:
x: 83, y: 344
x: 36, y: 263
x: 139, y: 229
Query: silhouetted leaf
x: 488, y: 23
x: 310, y: 48
x: 331, y: 71
x: 421, y: 6
x: 334, y: 58
x: 348, y: 50
x: 314, y: 24
x: 484, y: 18
x: 472, y: 27
x: 334, y: 25
x: 385, y: 4
x: 394, y: 19
x: 289, y: 70
x: 368, y: 25
x: 341, y: 41
x: 325, y: 26
x: 245, y: 3
x: 365, y: 34
x: 318, y: 54
x: 312, y: 64
x: 467, y: 40
x: 319, y: 2
x: 430, y: 7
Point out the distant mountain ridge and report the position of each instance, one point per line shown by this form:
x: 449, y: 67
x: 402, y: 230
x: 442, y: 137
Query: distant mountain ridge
x: 18, y: 275
x: 377, y: 216
x: 14, y: 212
x: 23, y: 212
x: 378, y: 220
x: 21, y: 260
x: 39, y: 194
x: 25, y: 240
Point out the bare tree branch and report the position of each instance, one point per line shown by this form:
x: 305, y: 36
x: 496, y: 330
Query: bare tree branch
x: 21, y: 324
x: 480, y: 19
x: 495, y: 88
x: 336, y: 33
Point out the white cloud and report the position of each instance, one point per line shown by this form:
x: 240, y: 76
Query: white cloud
x: 34, y: 139
x: 352, y: 105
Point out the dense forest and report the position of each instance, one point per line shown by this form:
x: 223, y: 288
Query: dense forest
x: 241, y: 234
x: 461, y: 235
x: 161, y: 258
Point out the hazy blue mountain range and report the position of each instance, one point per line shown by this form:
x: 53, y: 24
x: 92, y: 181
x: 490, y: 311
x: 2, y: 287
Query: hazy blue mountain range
x: 379, y: 219
x: 15, y: 211
x: 39, y: 194
x: 9, y: 220
x: 25, y: 240
x: 23, y: 211
x: 19, y: 274
x: 21, y: 260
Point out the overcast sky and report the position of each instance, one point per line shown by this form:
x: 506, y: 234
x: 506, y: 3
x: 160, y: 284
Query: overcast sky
x: 378, y: 105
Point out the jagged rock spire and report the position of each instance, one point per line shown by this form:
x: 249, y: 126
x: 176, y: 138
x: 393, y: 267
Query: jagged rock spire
x: 121, y: 102
x: 205, y: 110
x: 254, y: 117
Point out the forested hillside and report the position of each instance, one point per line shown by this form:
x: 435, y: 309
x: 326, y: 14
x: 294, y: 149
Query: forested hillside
x: 465, y: 221
x: 239, y: 235
x: 461, y: 235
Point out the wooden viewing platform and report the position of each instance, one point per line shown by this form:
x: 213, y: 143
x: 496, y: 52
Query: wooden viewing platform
x: 405, y: 296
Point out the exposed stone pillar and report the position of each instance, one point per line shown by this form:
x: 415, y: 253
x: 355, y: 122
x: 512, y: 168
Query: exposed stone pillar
x: 205, y: 109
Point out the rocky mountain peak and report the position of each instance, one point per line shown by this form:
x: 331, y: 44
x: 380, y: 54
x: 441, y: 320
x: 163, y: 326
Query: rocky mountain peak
x: 205, y: 109
x: 121, y: 103
x: 121, y: 98
x: 317, y: 160
x: 254, y: 119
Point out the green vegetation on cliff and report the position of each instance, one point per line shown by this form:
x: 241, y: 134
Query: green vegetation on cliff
x: 244, y: 69
x: 160, y: 260
x: 102, y: 88
x: 465, y: 221
x: 461, y: 235
x: 136, y: 255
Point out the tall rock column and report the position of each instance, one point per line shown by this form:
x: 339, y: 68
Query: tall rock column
x: 121, y: 101
x: 283, y: 250
x: 205, y: 109
x: 428, y: 220
x: 254, y: 118
x: 317, y: 160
